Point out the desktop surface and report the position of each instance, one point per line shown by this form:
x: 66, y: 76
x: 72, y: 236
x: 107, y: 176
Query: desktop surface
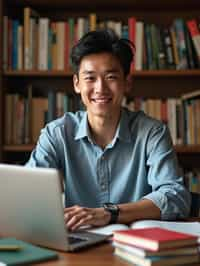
x: 101, y: 255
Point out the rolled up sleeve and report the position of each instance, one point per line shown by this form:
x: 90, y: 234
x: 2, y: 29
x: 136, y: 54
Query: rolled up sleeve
x: 164, y: 176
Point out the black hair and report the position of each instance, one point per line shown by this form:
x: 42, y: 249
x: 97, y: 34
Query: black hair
x: 103, y: 41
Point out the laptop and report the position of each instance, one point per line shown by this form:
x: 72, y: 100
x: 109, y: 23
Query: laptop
x: 31, y: 209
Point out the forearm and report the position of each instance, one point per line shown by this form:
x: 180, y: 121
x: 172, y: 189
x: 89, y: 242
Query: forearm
x: 143, y: 209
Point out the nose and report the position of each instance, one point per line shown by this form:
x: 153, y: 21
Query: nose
x: 100, y: 85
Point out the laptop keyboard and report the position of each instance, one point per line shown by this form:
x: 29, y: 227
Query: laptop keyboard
x: 75, y: 240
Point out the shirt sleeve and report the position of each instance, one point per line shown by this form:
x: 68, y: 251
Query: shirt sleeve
x: 46, y: 152
x: 168, y: 191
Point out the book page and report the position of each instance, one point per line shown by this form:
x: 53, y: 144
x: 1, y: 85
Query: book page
x: 108, y: 229
x: 192, y: 228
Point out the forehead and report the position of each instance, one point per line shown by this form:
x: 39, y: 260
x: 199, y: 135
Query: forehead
x: 102, y: 62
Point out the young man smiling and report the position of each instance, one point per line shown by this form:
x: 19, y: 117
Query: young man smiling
x: 119, y: 166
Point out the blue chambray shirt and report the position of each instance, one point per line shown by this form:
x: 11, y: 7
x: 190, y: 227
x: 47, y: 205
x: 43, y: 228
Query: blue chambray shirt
x: 140, y: 162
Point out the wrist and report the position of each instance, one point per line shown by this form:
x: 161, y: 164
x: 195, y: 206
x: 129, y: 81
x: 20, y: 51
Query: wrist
x: 113, y: 211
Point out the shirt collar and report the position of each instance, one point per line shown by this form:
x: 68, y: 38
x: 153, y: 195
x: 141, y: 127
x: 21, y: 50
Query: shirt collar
x: 123, y: 131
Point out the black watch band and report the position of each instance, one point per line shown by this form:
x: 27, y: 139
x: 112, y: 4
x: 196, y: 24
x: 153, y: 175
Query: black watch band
x: 113, y: 209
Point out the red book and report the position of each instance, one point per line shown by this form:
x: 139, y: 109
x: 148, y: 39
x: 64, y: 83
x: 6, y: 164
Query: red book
x: 195, y: 35
x: 132, y: 35
x: 154, y: 238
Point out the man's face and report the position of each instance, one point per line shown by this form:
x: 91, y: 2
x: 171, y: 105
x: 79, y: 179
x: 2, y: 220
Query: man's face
x: 101, y: 84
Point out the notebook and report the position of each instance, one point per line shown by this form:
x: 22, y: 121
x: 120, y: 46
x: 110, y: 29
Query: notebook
x: 26, y: 254
x: 32, y: 210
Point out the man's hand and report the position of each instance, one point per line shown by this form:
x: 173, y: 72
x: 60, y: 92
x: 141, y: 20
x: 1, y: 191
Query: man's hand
x: 77, y: 216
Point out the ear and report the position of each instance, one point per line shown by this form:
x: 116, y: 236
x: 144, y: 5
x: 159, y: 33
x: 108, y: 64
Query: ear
x: 76, y: 83
x: 129, y: 83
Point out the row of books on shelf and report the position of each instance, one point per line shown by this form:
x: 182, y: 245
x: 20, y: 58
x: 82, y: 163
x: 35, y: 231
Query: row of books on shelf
x: 25, y: 116
x: 155, y: 246
x: 39, y: 43
x: 182, y: 115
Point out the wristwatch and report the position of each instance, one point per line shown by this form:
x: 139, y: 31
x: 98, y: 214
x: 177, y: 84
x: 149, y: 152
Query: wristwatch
x: 113, y: 209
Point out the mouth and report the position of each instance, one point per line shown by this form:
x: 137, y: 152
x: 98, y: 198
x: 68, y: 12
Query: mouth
x: 102, y: 100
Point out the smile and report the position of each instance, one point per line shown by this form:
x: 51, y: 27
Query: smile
x: 101, y: 100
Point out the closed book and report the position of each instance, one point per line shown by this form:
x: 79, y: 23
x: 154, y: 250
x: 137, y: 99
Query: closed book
x: 191, y: 250
x: 132, y: 34
x: 139, y: 45
x: 179, y: 26
x: 195, y: 35
x: 156, y: 260
x: 154, y: 238
x: 26, y: 254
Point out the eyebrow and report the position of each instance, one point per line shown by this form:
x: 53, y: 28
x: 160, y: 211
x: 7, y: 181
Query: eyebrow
x: 86, y: 72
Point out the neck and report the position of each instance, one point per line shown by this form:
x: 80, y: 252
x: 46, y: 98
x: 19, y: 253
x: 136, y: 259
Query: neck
x: 103, y: 129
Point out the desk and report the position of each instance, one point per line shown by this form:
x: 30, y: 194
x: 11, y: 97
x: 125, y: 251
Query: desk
x: 94, y: 256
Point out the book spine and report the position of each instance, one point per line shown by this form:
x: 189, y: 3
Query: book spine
x: 195, y: 35
x: 139, y: 45
x: 43, y: 43
x: 5, y: 42
x: 132, y: 34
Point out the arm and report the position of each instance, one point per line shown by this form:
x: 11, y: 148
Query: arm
x: 168, y: 200
x: 46, y: 152
x: 77, y: 216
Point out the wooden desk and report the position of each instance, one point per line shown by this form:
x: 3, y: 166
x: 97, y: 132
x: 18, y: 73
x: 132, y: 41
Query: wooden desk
x: 95, y: 256
x: 101, y: 255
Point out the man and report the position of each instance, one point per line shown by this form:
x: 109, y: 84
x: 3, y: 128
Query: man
x: 119, y: 166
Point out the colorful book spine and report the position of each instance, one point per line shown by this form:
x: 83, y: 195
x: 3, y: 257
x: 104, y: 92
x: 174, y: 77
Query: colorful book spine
x: 195, y: 35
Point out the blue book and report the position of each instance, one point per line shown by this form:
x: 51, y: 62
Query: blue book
x: 15, y: 44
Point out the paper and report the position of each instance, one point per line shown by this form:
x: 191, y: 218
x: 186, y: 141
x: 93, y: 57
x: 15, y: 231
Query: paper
x: 183, y: 227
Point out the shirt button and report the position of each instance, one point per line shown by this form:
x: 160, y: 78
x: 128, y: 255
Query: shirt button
x: 103, y: 187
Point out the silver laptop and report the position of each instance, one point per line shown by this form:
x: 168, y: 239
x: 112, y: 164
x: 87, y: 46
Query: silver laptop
x: 31, y: 209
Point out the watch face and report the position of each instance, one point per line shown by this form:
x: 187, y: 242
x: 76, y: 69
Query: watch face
x: 111, y: 206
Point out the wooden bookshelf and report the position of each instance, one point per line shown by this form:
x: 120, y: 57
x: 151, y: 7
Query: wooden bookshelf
x: 146, y: 83
x: 136, y: 74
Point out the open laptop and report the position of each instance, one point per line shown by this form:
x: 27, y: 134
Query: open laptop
x: 31, y: 209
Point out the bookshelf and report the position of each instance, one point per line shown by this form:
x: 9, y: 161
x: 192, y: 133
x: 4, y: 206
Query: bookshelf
x: 147, y: 83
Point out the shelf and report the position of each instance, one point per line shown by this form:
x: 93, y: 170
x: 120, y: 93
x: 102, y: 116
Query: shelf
x: 29, y: 147
x: 187, y: 149
x: 37, y: 73
x: 18, y: 148
x: 137, y: 74
x: 122, y: 4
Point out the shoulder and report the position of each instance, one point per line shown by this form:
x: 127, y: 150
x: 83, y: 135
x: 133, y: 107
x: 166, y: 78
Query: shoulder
x: 139, y: 121
x: 69, y: 121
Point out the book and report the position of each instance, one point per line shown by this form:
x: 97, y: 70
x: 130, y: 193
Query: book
x: 154, y: 238
x: 139, y: 45
x: 43, y: 33
x: 195, y: 35
x: 192, y: 228
x: 29, y: 15
x: 156, y: 260
x: 26, y: 254
x: 193, y: 250
x: 191, y: 95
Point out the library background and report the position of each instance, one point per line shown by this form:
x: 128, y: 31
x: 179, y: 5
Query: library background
x: 36, y: 79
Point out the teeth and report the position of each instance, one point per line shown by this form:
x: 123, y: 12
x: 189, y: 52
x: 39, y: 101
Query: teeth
x: 101, y: 100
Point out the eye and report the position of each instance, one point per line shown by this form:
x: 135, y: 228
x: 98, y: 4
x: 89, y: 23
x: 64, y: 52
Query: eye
x: 112, y: 77
x: 89, y: 78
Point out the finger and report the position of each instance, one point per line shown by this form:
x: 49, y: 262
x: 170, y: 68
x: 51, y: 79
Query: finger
x: 72, y: 208
x: 75, y: 219
x: 84, y: 221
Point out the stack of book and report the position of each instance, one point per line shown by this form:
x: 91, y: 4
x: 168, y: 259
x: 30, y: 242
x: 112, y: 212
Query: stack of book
x: 155, y: 246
